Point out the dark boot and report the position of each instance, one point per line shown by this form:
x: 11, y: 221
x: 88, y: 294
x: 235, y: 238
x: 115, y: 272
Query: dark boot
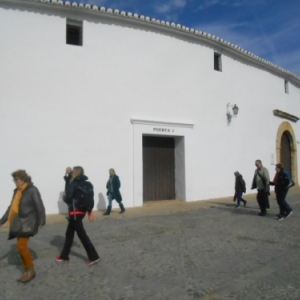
x: 122, y: 208
x: 107, y: 213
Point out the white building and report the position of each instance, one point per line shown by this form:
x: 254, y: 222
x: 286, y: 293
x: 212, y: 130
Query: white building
x: 101, y: 88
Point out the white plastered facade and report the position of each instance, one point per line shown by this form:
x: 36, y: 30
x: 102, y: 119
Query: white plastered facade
x: 90, y: 105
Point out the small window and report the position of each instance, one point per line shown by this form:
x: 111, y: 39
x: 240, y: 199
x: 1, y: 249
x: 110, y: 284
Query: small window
x: 286, y: 86
x: 217, y: 62
x: 74, y: 32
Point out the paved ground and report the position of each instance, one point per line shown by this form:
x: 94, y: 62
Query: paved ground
x: 166, y: 250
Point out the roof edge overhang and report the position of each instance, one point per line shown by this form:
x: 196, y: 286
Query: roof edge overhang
x: 206, y: 38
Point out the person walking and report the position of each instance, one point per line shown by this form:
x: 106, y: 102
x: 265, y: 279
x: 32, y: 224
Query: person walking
x: 26, y: 214
x: 240, y: 188
x: 261, y: 182
x: 75, y: 221
x: 281, y: 182
x: 68, y: 177
x: 113, y: 192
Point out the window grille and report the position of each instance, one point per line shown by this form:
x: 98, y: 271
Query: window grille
x: 74, y: 32
x: 217, y: 62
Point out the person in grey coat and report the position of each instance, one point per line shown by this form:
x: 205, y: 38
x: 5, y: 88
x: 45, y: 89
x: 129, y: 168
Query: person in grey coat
x: 261, y: 181
x: 26, y: 214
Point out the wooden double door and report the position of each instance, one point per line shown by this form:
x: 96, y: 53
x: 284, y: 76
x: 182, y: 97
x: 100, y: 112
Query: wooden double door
x: 286, y: 152
x: 158, y: 168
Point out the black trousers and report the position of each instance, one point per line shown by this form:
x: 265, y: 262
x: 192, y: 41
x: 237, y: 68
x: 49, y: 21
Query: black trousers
x: 77, y: 225
x: 263, y: 200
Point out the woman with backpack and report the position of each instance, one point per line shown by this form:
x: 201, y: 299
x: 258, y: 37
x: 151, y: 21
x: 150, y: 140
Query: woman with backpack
x: 77, y: 182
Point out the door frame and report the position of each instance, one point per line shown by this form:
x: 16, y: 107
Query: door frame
x: 287, y: 127
x: 182, y: 132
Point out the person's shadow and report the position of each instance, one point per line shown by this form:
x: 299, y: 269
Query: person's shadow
x: 62, y: 206
x: 13, y: 257
x: 58, y: 242
x: 101, y: 205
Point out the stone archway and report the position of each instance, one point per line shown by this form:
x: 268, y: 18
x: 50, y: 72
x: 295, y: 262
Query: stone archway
x: 285, y: 130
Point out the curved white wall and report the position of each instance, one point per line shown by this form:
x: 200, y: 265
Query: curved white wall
x: 65, y: 105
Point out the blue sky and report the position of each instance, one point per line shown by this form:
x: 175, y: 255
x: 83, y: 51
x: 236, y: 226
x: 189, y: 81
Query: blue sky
x: 267, y: 28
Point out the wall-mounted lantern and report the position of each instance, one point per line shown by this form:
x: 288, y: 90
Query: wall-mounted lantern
x: 235, y: 111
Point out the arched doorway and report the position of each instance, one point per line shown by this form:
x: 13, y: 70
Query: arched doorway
x: 286, y: 149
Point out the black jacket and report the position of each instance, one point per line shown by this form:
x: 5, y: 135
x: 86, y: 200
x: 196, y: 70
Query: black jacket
x: 71, y: 191
x: 67, y: 179
x: 281, y: 182
x: 240, y: 185
x: 31, y: 213
x: 116, y: 187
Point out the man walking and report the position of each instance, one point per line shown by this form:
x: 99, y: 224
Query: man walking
x: 261, y: 181
x: 68, y: 177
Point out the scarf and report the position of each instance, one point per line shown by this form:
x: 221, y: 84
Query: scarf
x: 14, y: 208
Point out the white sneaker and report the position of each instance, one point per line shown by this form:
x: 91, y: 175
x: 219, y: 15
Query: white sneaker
x: 91, y: 262
x: 288, y: 214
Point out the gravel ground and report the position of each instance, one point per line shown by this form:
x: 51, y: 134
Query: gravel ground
x: 166, y: 250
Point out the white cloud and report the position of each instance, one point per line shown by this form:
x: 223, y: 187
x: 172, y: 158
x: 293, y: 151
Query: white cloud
x: 170, y: 6
x: 208, y: 3
x: 179, y: 3
x: 96, y: 2
x: 164, y: 8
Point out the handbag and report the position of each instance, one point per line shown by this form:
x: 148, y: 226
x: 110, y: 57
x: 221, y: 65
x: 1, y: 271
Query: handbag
x: 267, y: 187
x: 234, y: 197
x: 23, y: 226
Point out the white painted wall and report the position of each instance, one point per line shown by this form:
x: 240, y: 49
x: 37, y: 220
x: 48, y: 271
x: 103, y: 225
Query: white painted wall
x: 64, y: 105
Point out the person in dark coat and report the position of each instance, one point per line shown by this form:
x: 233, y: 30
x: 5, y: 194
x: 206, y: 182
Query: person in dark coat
x: 281, y: 182
x: 25, y: 214
x: 68, y: 177
x: 240, y: 188
x: 75, y: 221
x: 113, y: 192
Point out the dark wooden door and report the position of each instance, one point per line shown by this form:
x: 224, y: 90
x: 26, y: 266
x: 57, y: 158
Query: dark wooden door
x: 285, y: 152
x: 158, y: 168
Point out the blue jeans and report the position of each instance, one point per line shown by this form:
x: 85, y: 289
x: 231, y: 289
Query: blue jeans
x: 287, y: 206
x: 239, y: 198
x: 283, y: 204
x: 111, y: 197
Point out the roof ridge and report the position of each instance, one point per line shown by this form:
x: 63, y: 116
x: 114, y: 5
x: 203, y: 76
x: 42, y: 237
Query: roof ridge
x: 175, y: 26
